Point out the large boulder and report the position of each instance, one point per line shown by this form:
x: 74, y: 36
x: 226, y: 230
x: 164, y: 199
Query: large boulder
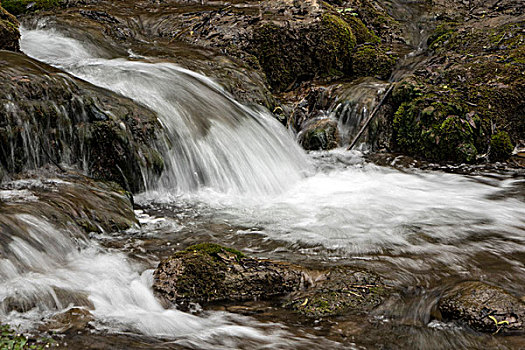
x: 210, y: 273
x: 484, y: 308
x: 47, y: 116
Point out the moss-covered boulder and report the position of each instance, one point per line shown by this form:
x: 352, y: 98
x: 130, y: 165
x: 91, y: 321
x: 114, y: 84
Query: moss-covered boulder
x: 289, y: 55
x: 484, y: 308
x: 500, y: 147
x: 49, y: 117
x: 9, y: 34
x: 437, y: 130
x: 208, y: 272
x: 372, y: 61
x: 322, y: 134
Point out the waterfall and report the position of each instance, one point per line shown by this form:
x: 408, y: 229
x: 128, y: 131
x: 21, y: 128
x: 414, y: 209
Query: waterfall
x: 211, y: 140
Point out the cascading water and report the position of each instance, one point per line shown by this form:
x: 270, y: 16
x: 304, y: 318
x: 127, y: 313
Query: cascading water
x: 212, y: 141
x: 244, y: 185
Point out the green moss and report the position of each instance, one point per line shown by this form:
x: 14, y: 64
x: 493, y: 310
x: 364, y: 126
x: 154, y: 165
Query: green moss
x: 213, y: 249
x: 335, y: 44
x: 13, y: 341
x: 436, y: 130
x: 361, y: 32
x: 371, y: 60
x: 442, y: 32
x: 19, y: 7
x: 500, y: 146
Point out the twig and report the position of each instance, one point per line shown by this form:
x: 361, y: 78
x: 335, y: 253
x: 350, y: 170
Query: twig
x: 372, y: 115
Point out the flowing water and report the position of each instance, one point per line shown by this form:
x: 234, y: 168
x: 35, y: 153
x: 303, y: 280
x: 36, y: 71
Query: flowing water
x: 235, y: 177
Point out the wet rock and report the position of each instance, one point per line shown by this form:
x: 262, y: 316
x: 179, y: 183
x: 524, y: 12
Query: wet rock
x: 212, y: 273
x: 484, y: 308
x: 49, y: 117
x: 66, y: 198
x: 339, y: 291
x: 19, y: 7
x: 320, y: 135
x: 71, y: 321
x: 9, y: 33
x: 208, y: 273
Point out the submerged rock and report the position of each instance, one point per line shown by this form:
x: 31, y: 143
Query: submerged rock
x: 9, y: 33
x: 47, y: 116
x: 320, y: 135
x: 208, y: 273
x: 484, y: 308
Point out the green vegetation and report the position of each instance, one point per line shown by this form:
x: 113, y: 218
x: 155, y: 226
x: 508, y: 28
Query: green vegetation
x: 372, y: 60
x: 213, y: 249
x: 19, y: 7
x: 9, y: 340
x: 500, y: 146
x: 9, y: 33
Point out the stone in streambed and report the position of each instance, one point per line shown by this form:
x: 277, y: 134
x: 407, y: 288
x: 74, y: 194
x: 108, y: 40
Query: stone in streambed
x: 211, y: 273
x: 484, y: 308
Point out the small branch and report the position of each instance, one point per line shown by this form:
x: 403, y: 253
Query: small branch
x: 372, y: 115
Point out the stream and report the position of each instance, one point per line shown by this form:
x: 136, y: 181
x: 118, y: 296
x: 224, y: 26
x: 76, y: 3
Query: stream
x: 236, y: 177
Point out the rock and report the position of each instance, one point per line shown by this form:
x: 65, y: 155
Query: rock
x: 71, y: 321
x: 373, y: 61
x: 340, y: 291
x: 49, y: 117
x: 9, y: 33
x: 66, y: 198
x: 19, y: 7
x: 208, y: 272
x: 321, y: 134
x: 484, y: 308
x: 500, y: 147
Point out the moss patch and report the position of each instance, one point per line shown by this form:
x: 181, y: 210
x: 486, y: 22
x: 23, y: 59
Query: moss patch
x: 500, y: 146
x: 372, y: 60
x: 19, y: 7
x: 213, y: 249
x: 9, y: 339
x: 9, y: 33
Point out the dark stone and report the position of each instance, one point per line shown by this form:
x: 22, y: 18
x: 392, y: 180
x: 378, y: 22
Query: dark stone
x: 484, y: 308
x: 320, y: 134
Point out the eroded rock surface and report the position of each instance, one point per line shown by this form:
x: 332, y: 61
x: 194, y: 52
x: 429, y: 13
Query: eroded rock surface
x: 484, y: 308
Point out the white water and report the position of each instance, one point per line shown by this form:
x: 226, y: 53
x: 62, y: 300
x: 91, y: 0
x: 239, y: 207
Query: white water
x: 212, y: 140
x: 228, y: 172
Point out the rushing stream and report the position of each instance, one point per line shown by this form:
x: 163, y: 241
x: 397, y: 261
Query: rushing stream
x: 234, y: 176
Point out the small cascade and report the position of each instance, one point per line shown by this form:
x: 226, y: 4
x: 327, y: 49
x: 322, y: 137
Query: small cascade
x: 353, y: 107
x: 211, y: 140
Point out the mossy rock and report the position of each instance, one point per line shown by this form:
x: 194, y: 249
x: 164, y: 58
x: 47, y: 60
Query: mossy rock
x: 208, y: 273
x: 437, y: 130
x: 19, y: 7
x: 343, y: 291
x: 362, y: 33
x: 500, y: 147
x: 9, y: 33
x: 443, y: 32
x: 9, y: 339
x: 290, y: 55
x: 320, y: 135
x: 372, y: 60
x: 335, y: 44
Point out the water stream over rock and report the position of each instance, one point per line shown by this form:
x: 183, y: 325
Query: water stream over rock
x: 234, y: 176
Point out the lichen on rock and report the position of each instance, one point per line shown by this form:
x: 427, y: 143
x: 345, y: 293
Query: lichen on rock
x: 9, y: 33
